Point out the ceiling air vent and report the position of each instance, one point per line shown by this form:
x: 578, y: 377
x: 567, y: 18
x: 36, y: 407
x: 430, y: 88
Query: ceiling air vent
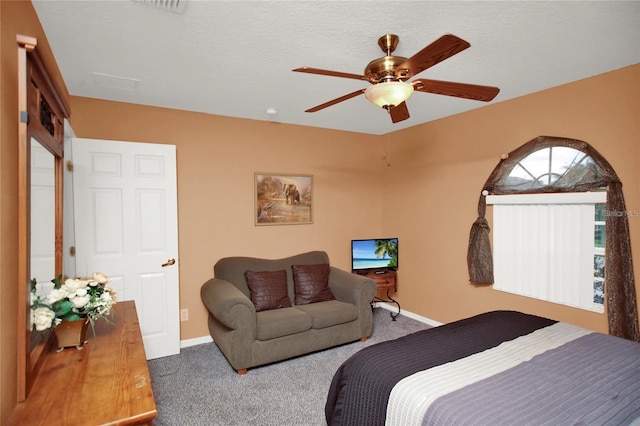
x: 177, y: 6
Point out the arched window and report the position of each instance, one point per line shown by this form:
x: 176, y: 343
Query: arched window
x: 559, y: 165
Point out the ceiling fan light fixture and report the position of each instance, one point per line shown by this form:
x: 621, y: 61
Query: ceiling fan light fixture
x: 389, y: 94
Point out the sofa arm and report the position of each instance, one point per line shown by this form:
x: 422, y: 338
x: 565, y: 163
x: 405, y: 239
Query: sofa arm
x: 228, y: 304
x: 351, y: 288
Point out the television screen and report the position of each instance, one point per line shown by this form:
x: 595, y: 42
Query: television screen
x: 374, y: 254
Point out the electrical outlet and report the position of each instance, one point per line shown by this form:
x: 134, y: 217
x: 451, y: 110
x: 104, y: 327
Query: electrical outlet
x: 184, y: 314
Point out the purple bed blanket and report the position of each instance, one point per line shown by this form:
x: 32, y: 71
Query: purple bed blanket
x: 593, y: 379
x: 360, y: 389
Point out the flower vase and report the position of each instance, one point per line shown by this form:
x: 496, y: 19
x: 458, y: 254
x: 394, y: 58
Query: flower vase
x: 71, y: 333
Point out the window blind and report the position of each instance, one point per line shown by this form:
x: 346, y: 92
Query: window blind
x: 544, y: 246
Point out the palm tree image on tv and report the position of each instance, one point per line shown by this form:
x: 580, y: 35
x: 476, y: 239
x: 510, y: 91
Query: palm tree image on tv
x: 387, y: 248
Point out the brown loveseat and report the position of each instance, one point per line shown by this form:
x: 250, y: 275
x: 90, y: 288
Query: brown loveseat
x: 291, y: 319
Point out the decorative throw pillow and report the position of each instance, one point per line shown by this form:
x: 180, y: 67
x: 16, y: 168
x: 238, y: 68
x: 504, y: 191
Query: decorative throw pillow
x: 311, y: 283
x: 268, y: 289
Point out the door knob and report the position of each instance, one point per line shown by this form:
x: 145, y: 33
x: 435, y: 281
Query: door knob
x: 169, y: 262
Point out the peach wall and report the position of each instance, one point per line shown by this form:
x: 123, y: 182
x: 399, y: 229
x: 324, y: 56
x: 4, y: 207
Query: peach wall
x: 216, y: 161
x: 439, y: 168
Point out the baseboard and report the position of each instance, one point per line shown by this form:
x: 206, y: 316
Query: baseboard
x: 195, y: 341
x: 394, y: 308
x: 207, y: 339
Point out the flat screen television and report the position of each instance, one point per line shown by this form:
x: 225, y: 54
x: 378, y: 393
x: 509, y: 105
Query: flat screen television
x: 374, y: 254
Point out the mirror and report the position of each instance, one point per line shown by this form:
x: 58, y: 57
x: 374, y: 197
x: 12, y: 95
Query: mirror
x: 43, y: 207
x: 42, y: 261
x: 42, y: 111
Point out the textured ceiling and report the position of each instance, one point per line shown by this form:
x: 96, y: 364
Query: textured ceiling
x: 234, y: 58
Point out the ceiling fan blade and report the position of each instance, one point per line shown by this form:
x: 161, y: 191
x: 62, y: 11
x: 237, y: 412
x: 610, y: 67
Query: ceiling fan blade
x: 441, y: 49
x: 330, y: 73
x: 459, y: 90
x: 335, y: 101
x: 399, y: 113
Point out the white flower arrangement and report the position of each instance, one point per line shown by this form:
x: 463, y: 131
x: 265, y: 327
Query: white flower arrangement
x: 72, y: 300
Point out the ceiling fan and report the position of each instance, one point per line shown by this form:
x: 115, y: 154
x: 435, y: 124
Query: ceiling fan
x: 389, y: 74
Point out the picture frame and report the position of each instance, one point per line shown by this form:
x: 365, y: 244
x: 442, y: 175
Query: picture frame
x: 283, y: 199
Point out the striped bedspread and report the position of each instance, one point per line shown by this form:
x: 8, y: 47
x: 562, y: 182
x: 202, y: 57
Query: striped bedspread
x: 498, y: 368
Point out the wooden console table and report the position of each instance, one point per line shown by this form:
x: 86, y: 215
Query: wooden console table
x: 105, y: 383
x: 386, y: 280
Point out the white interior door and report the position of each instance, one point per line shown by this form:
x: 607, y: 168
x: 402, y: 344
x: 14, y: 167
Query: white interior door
x: 125, y: 201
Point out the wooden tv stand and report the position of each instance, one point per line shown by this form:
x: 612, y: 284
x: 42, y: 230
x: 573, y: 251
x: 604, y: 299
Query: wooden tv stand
x: 386, y: 280
x: 105, y: 382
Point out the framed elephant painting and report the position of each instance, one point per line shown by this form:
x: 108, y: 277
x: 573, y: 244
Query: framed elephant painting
x: 283, y: 199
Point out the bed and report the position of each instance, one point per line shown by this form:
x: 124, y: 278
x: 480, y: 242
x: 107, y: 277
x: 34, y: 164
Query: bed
x: 496, y: 368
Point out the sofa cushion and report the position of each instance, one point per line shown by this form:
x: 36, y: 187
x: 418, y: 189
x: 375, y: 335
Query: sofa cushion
x: 268, y: 289
x: 281, y: 322
x: 328, y: 314
x: 311, y: 283
x: 232, y: 268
